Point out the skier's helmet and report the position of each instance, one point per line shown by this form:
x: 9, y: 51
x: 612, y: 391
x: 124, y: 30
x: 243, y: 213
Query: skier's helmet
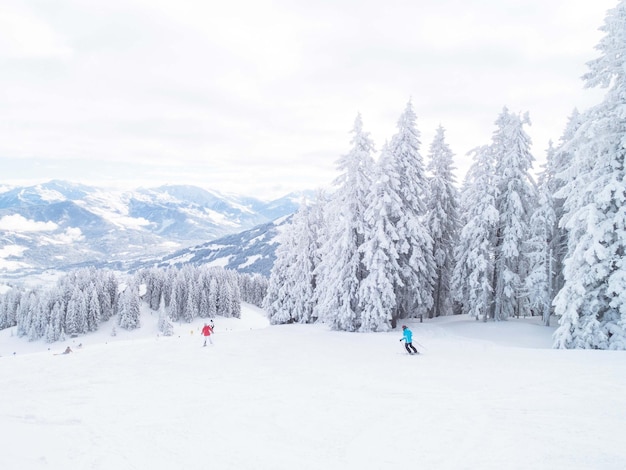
x: 404, y: 327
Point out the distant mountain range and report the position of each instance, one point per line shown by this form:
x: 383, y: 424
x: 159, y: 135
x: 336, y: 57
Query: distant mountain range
x: 61, y: 226
x: 251, y: 251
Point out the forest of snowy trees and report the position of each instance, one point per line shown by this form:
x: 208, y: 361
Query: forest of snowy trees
x: 84, y: 299
x: 396, y: 239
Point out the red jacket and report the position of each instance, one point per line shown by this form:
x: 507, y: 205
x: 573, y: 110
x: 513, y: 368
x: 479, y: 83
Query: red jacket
x: 207, y: 330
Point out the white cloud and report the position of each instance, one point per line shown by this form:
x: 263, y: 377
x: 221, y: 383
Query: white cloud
x: 71, y: 235
x: 24, y: 35
x: 12, y: 251
x: 257, y: 97
x: 18, y: 223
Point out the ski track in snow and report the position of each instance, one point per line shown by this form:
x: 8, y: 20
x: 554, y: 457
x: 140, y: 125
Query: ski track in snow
x: 481, y: 396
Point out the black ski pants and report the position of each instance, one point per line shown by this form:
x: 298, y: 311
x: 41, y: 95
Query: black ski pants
x: 409, y: 347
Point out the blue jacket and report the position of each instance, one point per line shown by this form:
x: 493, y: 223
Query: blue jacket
x: 407, y: 335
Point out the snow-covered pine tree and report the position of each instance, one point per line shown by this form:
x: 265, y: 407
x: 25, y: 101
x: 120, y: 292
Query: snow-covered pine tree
x: 204, y: 286
x: 559, y: 167
x: 540, y: 247
x: 278, y: 301
x: 515, y: 198
x: 153, y: 279
x: 312, y: 240
x: 407, y: 178
x: 4, y: 310
x: 179, y: 297
x: 380, y: 258
x: 212, y: 298
x: 292, y: 281
x: 547, y: 247
x: 192, y: 309
x: 8, y: 308
x: 172, y: 308
x: 24, y: 314
x: 204, y: 303
x: 473, y: 272
x: 73, y: 315
x: 185, y: 292
x: 235, y: 294
x: 165, y: 326
x: 168, y: 287
x: 55, y: 328
x: 592, y: 302
x: 224, y: 296
x: 321, y: 222
x: 341, y: 270
x: 93, y: 308
x: 109, y: 296
x: 303, y: 268
x: 253, y: 288
x: 443, y: 220
x: 81, y: 305
x: 39, y: 321
x: 129, y: 312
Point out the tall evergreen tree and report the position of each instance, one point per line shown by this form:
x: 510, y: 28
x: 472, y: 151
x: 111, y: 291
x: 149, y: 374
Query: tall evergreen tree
x: 165, y: 326
x: 380, y: 258
x: 547, y: 246
x: 172, y: 308
x: 540, y: 250
x: 292, y: 281
x: 55, y: 331
x: 473, y: 272
x: 592, y: 302
x: 341, y: 269
x: 443, y: 220
x: 407, y: 178
x: 559, y: 167
x: 223, y: 296
x: 212, y: 298
x: 515, y: 198
x: 8, y: 310
x: 192, y: 309
x: 109, y: 297
x: 73, y: 317
x: 235, y: 294
x: 129, y: 312
x: 93, y: 308
x: 278, y: 302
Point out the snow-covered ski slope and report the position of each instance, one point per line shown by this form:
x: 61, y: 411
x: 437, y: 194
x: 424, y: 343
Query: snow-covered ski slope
x: 481, y: 396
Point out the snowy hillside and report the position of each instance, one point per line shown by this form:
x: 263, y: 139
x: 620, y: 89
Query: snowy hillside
x: 481, y: 396
x: 251, y: 251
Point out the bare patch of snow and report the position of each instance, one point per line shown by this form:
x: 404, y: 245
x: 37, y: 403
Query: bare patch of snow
x: 221, y: 262
x: 250, y: 261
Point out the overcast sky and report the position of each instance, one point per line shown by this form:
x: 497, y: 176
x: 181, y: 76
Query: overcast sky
x: 258, y: 97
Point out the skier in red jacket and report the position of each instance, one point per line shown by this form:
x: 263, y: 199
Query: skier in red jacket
x: 206, y: 332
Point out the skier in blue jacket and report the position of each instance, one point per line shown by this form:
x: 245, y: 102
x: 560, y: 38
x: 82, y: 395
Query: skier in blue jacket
x: 407, y: 337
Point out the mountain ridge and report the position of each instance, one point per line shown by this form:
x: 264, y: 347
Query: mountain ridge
x: 60, y: 225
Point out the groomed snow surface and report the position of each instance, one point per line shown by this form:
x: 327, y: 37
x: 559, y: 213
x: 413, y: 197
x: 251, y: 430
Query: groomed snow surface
x: 481, y: 396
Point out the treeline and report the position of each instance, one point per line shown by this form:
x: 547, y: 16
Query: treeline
x: 380, y: 247
x: 396, y: 240
x: 83, y: 300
